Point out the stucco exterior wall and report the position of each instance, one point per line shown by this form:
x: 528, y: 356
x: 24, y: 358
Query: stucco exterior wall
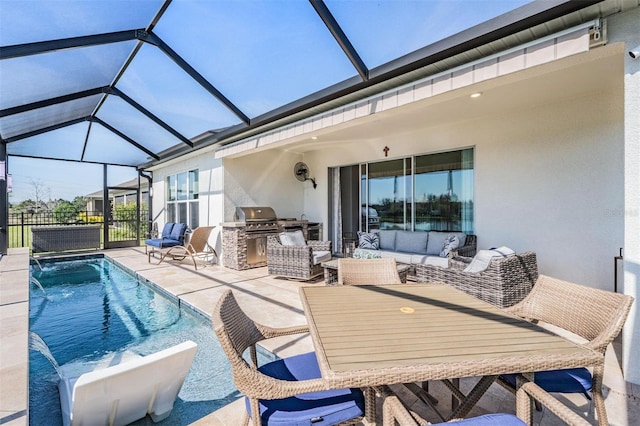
x: 626, y: 27
x: 264, y: 179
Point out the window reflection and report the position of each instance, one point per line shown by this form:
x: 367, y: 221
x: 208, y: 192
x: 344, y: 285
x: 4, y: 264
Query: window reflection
x: 435, y: 194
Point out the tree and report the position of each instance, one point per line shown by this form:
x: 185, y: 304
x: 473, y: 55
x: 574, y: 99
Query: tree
x: 39, y: 191
x: 65, y: 212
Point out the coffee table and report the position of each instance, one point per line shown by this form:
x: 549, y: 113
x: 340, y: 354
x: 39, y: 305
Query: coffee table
x: 331, y: 271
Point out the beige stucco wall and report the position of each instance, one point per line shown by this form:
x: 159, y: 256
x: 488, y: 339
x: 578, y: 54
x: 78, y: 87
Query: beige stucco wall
x: 263, y: 179
x: 626, y: 27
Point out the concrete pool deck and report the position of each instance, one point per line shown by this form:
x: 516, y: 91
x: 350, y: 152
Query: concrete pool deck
x: 268, y: 299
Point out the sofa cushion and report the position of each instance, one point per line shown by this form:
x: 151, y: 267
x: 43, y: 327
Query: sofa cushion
x: 361, y: 253
x: 483, y: 258
x: 412, y: 242
x: 320, y: 256
x: 436, y: 241
x: 398, y: 256
x: 177, y: 232
x: 368, y: 240
x: 387, y: 239
x: 166, y: 230
x: 295, y: 238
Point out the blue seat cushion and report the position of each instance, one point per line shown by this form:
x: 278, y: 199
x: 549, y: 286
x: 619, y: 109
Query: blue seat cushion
x: 317, y: 408
x: 177, y: 233
x: 490, y: 420
x: 572, y: 380
x: 166, y: 230
x: 162, y: 242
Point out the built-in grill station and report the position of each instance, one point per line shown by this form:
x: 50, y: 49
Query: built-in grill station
x: 244, y: 241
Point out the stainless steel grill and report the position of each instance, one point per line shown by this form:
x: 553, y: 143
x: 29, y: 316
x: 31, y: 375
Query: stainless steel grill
x: 257, y: 219
x: 259, y: 222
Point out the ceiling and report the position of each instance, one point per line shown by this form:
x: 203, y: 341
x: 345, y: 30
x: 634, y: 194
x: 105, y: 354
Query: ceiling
x: 599, y: 70
x: 139, y: 82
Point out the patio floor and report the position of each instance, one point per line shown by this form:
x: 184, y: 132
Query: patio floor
x: 269, y: 300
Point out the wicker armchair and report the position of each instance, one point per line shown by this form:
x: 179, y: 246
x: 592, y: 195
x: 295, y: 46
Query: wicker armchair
x: 271, y: 389
x: 367, y: 271
x: 505, y: 282
x: 593, y: 314
x: 394, y: 412
x: 299, y: 262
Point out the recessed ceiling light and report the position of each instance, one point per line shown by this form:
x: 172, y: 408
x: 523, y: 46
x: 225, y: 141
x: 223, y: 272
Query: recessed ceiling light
x: 475, y: 95
x: 314, y: 138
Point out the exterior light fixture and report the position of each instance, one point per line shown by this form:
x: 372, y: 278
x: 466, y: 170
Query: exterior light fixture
x: 475, y: 95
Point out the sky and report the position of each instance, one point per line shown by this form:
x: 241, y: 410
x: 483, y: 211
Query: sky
x: 261, y: 55
x: 60, y: 179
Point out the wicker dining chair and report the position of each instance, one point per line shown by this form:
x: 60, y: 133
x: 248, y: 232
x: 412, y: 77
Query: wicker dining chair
x: 353, y: 271
x: 394, y: 411
x: 198, y: 247
x: 593, y: 314
x: 275, y: 390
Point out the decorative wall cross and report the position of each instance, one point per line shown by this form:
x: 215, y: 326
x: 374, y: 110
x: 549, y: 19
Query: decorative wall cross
x: 386, y: 151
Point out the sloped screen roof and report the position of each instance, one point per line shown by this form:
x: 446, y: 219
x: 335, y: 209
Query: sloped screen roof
x: 131, y: 82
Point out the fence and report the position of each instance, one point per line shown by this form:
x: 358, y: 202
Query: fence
x: 123, y: 227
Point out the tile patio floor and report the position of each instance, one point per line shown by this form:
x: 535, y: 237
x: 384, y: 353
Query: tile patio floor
x: 269, y: 300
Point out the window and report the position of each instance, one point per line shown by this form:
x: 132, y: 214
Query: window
x: 182, y: 198
x: 421, y: 193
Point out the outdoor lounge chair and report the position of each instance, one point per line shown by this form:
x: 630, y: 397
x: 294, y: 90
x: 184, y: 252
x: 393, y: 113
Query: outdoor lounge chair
x: 592, y: 314
x: 393, y: 410
x: 367, y: 271
x: 297, y: 259
x: 506, y: 280
x: 123, y: 393
x: 197, y: 247
x: 286, y: 391
x: 172, y: 235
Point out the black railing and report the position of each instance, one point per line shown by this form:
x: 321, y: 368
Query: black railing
x: 122, y: 227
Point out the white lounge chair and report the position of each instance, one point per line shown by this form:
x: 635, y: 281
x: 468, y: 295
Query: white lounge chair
x: 124, y: 393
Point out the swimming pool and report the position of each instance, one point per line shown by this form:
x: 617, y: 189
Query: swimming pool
x: 90, y: 311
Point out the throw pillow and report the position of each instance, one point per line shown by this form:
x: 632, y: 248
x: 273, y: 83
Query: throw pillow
x: 366, y: 254
x: 368, y: 240
x: 450, y: 243
x: 295, y: 238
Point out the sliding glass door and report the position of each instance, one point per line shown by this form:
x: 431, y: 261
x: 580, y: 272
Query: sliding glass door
x: 421, y: 193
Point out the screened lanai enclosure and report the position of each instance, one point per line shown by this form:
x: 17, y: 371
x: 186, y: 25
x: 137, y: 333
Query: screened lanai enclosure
x: 137, y: 83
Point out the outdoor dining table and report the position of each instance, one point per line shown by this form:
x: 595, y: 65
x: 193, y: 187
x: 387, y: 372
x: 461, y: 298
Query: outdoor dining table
x: 368, y: 336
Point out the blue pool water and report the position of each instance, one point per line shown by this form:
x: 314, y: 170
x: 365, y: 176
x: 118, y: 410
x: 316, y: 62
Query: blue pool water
x: 92, y: 311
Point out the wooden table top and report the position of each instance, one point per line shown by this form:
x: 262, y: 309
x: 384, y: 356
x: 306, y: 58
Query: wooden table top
x: 409, y: 332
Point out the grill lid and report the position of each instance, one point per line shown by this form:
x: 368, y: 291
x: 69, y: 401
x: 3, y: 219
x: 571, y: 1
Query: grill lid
x: 255, y: 214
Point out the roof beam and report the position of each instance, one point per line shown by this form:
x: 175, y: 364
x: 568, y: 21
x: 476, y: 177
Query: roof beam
x: 46, y: 129
x: 125, y: 137
x: 38, y: 157
x: 52, y: 101
x: 327, y: 17
x: 153, y: 39
x: 150, y: 115
x: 19, y: 50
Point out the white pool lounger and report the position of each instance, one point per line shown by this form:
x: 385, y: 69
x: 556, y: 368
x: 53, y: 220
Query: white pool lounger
x: 124, y: 393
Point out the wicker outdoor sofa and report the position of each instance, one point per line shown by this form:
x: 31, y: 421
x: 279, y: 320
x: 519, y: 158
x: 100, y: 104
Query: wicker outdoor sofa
x: 505, y: 282
x: 301, y: 262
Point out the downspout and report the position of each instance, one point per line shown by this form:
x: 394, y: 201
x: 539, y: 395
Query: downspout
x: 4, y: 201
x: 149, y: 179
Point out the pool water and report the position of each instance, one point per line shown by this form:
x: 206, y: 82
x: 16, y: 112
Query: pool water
x: 93, y: 312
